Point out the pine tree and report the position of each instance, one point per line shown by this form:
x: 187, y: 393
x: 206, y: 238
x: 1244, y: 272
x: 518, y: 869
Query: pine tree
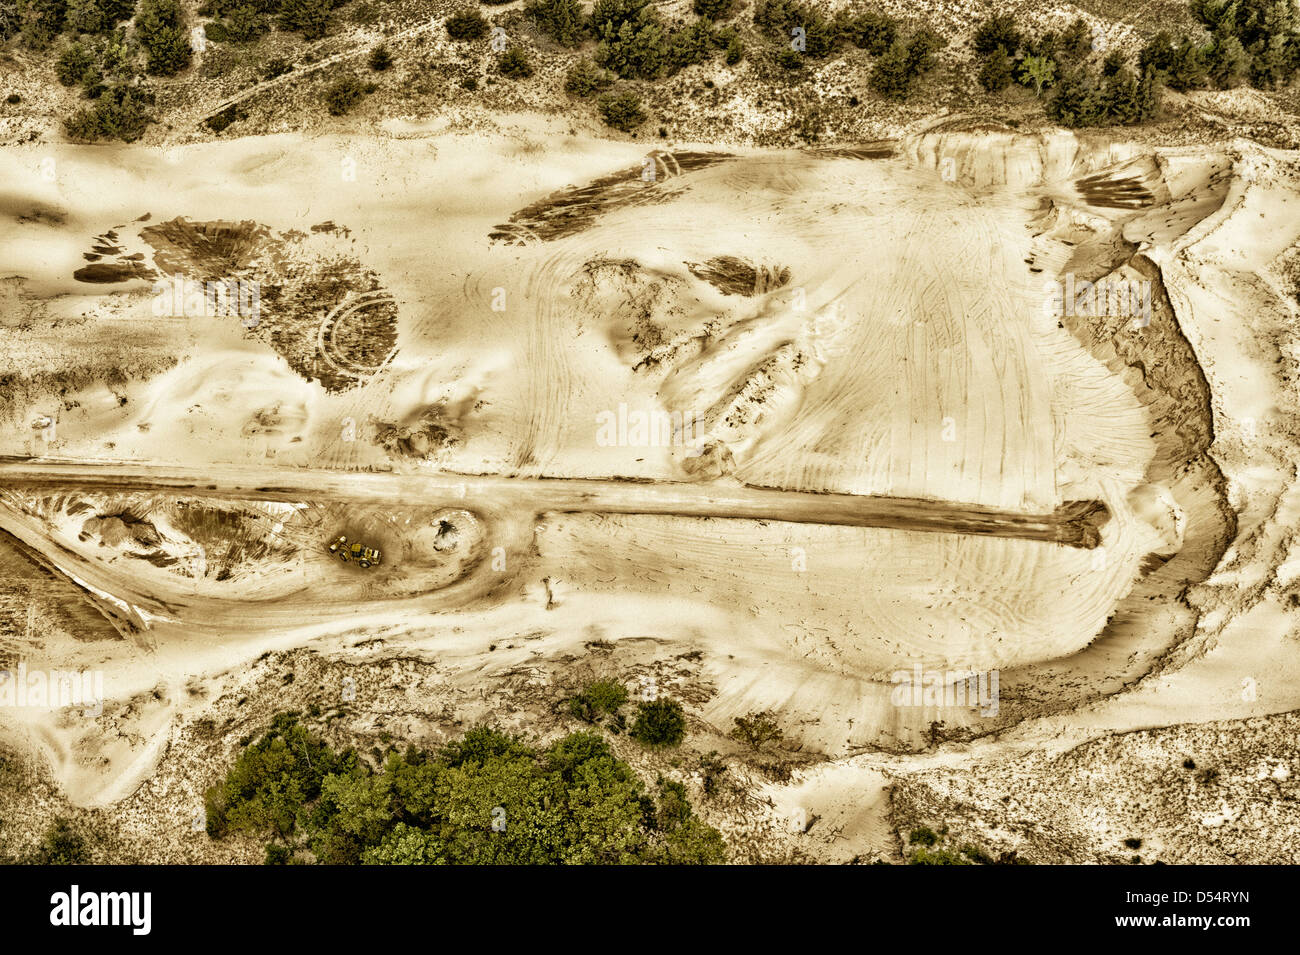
x: 163, y: 35
x: 996, y: 73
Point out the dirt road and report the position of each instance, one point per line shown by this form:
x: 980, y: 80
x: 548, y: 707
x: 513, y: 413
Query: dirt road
x: 1074, y: 524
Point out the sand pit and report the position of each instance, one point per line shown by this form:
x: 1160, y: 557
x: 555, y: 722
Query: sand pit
x: 877, y: 323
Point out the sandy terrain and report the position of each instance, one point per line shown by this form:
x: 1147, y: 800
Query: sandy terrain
x: 767, y: 427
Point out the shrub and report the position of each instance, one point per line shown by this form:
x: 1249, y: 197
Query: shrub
x: 1113, y: 63
x: 162, y: 33
x: 561, y: 20
x: 40, y: 21
x: 621, y: 110
x: 85, y: 16
x: 940, y: 856
x: 756, y: 729
x: 659, y: 722
x: 467, y: 25
x: 598, y: 699
x: 997, y: 72
x: 514, y: 64
x: 690, y: 45
x: 1076, y: 42
x: 75, y: 66
x: 276, y: 66
x: 735, y: 51
x: 922, y: 836
x: 219, y: 121
x: 246, y: 24
x: 61, y: 845
x: 609, y: 15
x: 343, y: 94
x: 714, y: 9
x: 789, y: 60
x: 380, y: 59
x: 13, y: 99
x: 634, y: 48
x: 998, y: 31
x: 121, y: 112
x: 311, y: 18
x: 585, y: 79
x: 869, y: 30
x: 216, y: 32
x: 896, y: 71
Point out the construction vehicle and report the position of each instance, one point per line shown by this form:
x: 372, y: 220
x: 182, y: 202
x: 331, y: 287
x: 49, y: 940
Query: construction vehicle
x: 364, y: 556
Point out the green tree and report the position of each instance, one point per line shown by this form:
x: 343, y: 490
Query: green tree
x: 40, y: 21
x: 586, y: 79
x: 311, y: 18
x: 342, y: 96
x: 997, y: 72
x: 86, y: 16
x: 75, y: 66
x: 1227, y: 62
x: 161, y: 31
x: 634, y: 47
x: 245, y: 23
x: 868, y: 30
x: 561, y: 20
x: 1040, y: 71
x: 999, y: 30
x: 714, y: 10
x: 121, y: 112
x: 1077, y: 101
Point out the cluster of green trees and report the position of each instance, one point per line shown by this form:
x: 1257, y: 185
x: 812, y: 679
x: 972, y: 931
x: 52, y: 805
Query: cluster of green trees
x: 632, y: 39
x: 802, y: 31
x: 1249, y: 41
x: 245, y: 21
x: 39, y: 22
x: 489, y: 798
x: 1079, y: 92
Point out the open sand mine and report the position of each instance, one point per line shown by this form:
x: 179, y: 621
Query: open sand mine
x: 824, y: 433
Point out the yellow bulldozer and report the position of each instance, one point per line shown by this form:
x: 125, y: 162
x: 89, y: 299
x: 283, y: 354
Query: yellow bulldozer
x: 363, y: 556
